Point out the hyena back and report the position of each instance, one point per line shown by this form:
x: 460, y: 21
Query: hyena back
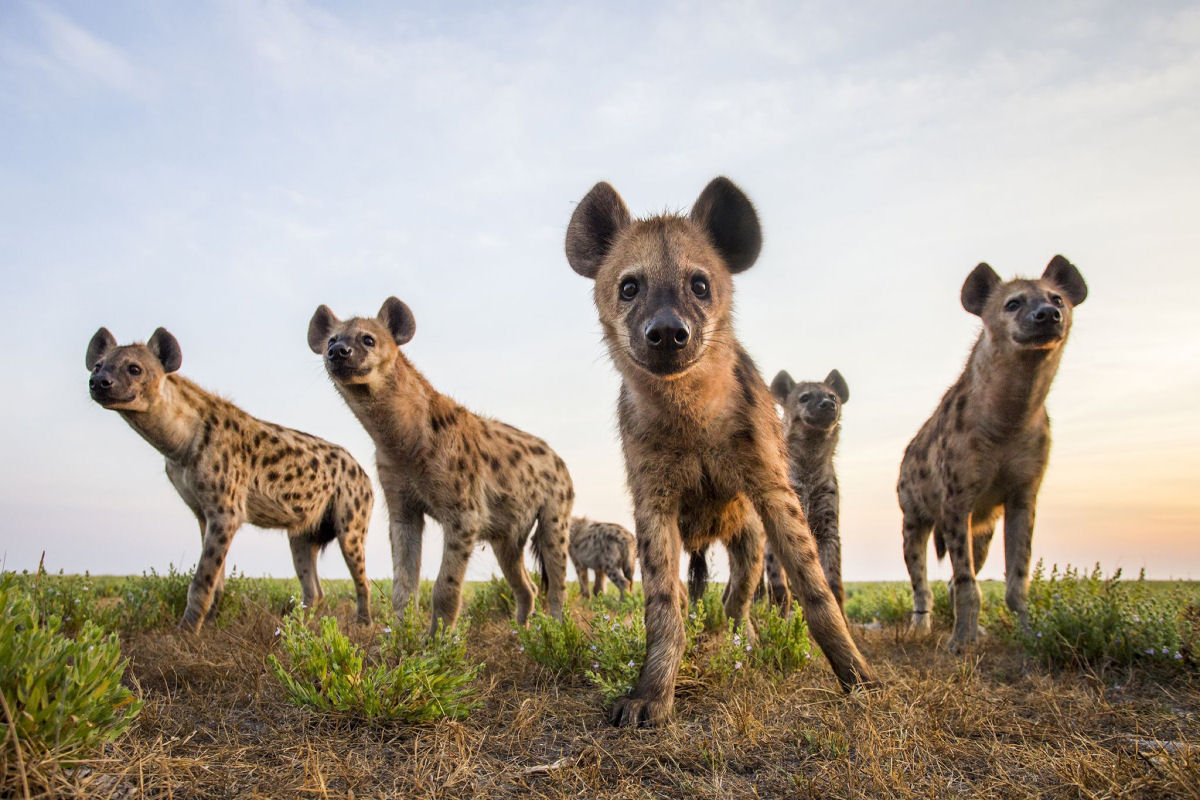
x: 606, y: 548
x: 231, y: 468
x: 479, y: 478
x: 703, y: 447
x: 984, y: 450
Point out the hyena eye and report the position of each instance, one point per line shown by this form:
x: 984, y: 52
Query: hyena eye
x: 1012, y: 305
x: 368, y: 340
x: 1057, y: 300
x: 700, y: 287
x: 134, y: 369
x: 629, y: 289
x: 804, y: 397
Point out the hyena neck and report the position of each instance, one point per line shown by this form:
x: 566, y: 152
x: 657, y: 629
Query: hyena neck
x: 1009, y: 388
x: 174, y: 420
x: 396, y: 411
x: 809, y: 449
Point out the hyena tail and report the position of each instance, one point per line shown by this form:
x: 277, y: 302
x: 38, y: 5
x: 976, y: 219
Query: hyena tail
x: 697, y: 575
x: 536, y: 546
x: 939, y: 544
x: 630, y: 563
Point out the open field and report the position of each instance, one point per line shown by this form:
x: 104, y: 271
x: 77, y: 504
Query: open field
x: 999, y: 722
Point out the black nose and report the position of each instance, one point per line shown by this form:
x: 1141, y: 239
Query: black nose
x: 666, y: 331
x: 100, y: 383
x: 827, y: 402
x: 1047, y: 313
x: 338, y: 352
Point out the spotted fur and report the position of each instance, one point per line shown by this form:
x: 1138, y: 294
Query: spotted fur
x: 231, y: 468
x: 606, y: 548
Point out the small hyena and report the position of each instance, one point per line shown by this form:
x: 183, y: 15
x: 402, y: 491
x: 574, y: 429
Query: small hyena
x: 231, y: 468
x: 704, y: 452
x: 605, y: 547
x: 984, y: 451
x: 812, y: 412
x: 479, y: 478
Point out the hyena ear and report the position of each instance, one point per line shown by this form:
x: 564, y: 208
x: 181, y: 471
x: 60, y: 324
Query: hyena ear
x: 166, y: 349
x: 835, y: 381
x: 1066, y: 276
x: 594, y: 226
x: 982, y: 281
x: 782, y: 386
x: 728, y: 217
x: 319, y: 327
x: 102, y: 341
x: 398, y: 318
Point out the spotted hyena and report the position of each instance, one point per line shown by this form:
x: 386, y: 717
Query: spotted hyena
x: 479, y: 478
x: 606, y: 548
x: 984, y: 451
x: 231, y: 468
x: 704, y: 452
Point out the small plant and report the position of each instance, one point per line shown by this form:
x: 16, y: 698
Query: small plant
x: 783, y: 643
x: 617, y: 650
x: 732, y: 655
x: 558, y: 646
x: 887, y: 604
x: 411, y: 680
x: 614, y: 604
x: 1085, y: 619
x: 709, y: 611
x: 153, y: 600
x: 62, y: 697
x: 491, y: 600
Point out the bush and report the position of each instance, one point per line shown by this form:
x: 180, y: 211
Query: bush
x: 63, y: 697
x: 560, y: 647
x: 153, y: 600
x: 410, y: 679
x: 885, y: 603
x: 617, y: 650
x: 782, y: 644
x: 491, y: 600
x: 1085, y: 619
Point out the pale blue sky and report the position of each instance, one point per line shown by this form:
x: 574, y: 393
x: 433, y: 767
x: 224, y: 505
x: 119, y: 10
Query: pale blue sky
x: 223, y: 168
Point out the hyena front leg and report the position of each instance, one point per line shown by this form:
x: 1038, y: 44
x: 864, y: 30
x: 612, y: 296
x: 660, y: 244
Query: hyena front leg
x: 824, y: 521
x: 787, y: 531
x: 581, y: 573
x: 776, y: 582
x: 304, y: 557
x: 219, y: 587
x: 218, y: 533
x: 745, y: 570
x: 659, y: 545
x: 406, y: 528
x: 1019, y: 513
x: 447, y: 589
x: 964, y: 594
x: 599, y: 587
x: 916, y: 549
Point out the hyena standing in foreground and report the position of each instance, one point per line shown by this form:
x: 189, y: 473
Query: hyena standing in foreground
x: 231, y: 468
x: 984, y: 450
x: 605, y: 547
x: 812, y: 412
x: 479, y: 478
x: 703, y: 448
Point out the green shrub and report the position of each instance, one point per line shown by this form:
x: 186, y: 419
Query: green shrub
x: 709, y: 611
x: 560, y: 647
x: 885, y: 603
x: 614, y: 604
x: 1085, y: 619
x: 491, y: 600
x: 64, y: 696
x: 153, y: 600
x: 410, y: 679
x: 617, y: 650
x: 783, y: 643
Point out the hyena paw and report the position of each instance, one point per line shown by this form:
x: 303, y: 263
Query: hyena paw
x: 921, y: 623
x: 639, y: 712
x: 959, y: 642
x: 189, y: 624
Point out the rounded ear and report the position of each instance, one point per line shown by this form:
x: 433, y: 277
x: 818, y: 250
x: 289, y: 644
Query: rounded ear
x: 398, y: 318
x: 835, y: 381
x: 782, y: 386
x: 982, y: 281
x: 102, y: 341
x: 166, y: 349
x: 731, y: 222
x: 594, y: 226
x: 1066, y: 276
x: 319, y: 327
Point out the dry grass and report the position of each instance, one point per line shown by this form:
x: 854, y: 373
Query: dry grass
x: 994, y: 724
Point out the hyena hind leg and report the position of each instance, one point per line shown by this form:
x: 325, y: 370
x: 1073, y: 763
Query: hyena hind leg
x: 916, y: 547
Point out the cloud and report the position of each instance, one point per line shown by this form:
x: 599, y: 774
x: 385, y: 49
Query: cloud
x: 77, y: 56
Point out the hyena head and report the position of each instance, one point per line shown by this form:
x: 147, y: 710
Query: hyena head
x: 361, y: 350
x: 815, y: 405
x: 1026, y: 314
x: 663, y: 285
x: 130, y: 377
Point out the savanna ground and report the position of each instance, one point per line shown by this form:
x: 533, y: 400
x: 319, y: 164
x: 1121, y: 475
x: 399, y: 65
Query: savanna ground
x: 1004, y: 720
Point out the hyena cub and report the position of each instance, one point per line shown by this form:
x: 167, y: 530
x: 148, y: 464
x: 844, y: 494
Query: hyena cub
x: 231, y: 468
x: 704, y: 452
x: 479, y: 478
x: 984, y: 451
x: 605, y: 547
x: 812, y: 412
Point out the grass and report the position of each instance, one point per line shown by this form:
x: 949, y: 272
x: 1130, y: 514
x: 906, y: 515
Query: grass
x: 1002, y: 721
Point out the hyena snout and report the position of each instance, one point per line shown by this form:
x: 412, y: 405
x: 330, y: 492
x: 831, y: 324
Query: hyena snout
x: 667, y: 331
x: 99, y: 383
x: 1047, y: 314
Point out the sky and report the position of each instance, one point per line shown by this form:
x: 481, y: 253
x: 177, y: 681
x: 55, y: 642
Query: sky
x: 222, y: 168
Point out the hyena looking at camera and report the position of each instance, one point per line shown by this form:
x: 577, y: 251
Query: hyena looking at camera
x: 704, y: 452
x: 231, y: 468
x: 479, y: 478
x: 984, y: 451
x: 606, y: 548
